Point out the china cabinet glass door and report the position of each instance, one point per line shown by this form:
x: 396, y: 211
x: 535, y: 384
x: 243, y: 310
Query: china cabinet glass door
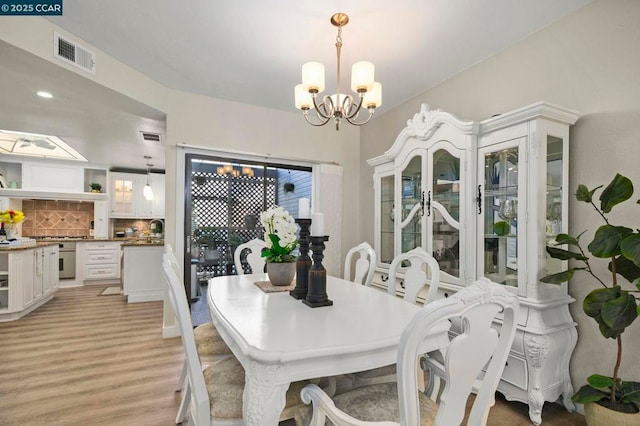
x: 501, y: 203
x: 409, y: 213
x: 555, y: 199
x: 387, y: 204
x: 122, y: 191
x: 443, y: 210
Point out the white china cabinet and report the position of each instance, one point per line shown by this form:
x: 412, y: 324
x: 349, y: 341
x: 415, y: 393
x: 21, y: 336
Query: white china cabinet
x: 485, y: 198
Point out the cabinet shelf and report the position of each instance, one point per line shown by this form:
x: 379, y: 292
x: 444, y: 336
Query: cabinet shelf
x: 501, y: 191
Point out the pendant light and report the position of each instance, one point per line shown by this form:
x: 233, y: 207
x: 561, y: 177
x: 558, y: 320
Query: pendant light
x: 147, y: 191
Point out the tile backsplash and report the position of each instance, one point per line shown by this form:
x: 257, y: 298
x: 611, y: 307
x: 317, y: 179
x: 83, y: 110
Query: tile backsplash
x: 56, y: 218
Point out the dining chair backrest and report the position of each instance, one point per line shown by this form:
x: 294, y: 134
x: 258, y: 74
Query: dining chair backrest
x: 254, y: 256
x: 168, y: 251
x: 200, y: 411
x: 478, y: 347
x: 415, y: 277
x: 365, y: 264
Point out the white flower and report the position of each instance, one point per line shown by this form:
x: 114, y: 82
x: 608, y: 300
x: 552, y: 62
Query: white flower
x: 277, y: 221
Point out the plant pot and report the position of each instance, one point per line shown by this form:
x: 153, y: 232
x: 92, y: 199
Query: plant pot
x: 597, y: 415
x: 281, y: 273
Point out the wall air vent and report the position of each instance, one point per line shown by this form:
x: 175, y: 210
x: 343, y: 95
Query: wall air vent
x: 73, y: 53
x: 150, y: 136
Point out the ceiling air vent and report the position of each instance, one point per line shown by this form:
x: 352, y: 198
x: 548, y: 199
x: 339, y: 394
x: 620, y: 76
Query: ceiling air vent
x: 73, y: 53
x: 150, y: 136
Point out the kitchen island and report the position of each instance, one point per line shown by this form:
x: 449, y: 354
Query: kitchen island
x: 28, y: 277
x: 142, y: 271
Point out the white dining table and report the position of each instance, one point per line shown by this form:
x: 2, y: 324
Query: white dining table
x: 279, y: 340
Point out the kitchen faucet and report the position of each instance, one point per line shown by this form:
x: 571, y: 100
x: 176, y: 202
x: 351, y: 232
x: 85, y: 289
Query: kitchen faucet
x: 152, y: 226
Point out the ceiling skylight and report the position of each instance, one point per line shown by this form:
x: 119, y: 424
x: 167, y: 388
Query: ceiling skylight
x: 35, y: 145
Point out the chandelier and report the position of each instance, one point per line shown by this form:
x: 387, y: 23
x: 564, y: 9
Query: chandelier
x: 338, y: 105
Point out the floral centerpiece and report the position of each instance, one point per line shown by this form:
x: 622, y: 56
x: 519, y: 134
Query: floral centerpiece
x: 11, y: 218
x: 280, y: 238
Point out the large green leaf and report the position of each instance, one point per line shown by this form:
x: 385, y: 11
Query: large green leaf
x: 630, y: 393
x: 630, y: 248
x: 626, y: 268
x: 588, y: 394
x: 607, y: 331
x: 606, y: 242
x: 599, y: 381
x: 620, y: 189
x: 563, y: 254
x: 583, y: 193
x: 592, y: 304
x: 619, y: 313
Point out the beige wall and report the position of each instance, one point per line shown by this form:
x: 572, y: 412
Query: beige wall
x: 589, y: 62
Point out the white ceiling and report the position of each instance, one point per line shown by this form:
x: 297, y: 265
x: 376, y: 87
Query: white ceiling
x: 251, y: 51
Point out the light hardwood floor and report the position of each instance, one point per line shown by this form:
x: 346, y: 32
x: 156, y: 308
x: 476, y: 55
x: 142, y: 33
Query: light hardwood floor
x: 84, y: 359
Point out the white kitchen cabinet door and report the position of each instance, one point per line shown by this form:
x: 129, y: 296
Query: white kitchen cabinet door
x: 52, y: 177
x: 100, y: 219
x: 157, y: 182
x: 127, y: 198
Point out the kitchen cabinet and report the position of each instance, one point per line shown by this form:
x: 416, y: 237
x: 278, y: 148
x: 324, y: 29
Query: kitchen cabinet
x: 142, y: 279
x: 28, y: 279
x: 100, y: 219
x: 127, y: 199
x: 53, y: 180
x: 485, y: 198
x: 100, y: 261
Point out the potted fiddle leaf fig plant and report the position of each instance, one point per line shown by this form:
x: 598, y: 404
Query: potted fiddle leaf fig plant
x: 613, y: 305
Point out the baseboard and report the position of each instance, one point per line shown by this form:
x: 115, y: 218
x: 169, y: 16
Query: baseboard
x: 170, y: 331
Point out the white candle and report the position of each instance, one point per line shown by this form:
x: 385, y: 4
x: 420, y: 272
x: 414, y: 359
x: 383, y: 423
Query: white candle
x: 304, y: 208
x: 317, y: 225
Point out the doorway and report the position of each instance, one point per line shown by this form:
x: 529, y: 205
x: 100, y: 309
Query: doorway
x: 223, y: 200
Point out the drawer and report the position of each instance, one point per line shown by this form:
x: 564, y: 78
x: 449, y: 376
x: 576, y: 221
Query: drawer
x: 515, y: 372
x: 96, y: 257
x: 106, y: 245
x: 99, y: 272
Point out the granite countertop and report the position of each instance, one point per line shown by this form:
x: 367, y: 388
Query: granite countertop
x: 143, y: 243
x: 6, y: 247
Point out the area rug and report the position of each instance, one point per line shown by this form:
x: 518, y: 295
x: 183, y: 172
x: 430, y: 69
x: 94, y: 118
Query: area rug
x: 110, y: 291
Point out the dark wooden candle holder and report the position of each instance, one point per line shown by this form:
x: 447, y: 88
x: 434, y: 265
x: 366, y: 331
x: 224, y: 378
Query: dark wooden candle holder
x: 317, y: 292
x: 303, y: 263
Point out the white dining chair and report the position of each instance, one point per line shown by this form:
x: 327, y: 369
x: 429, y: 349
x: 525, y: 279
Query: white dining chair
x: 215, y: 392
x: 254, y: 256
x: 364, y: 265
x: 415, y: 279
x: 478, y: 348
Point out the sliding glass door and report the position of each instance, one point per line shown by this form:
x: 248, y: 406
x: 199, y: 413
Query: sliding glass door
x: 223, y: 201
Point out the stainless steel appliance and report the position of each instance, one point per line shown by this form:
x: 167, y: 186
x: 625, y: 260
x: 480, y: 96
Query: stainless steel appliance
x: 67, y: 263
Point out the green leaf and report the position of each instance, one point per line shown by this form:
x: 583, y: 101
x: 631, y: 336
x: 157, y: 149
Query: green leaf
x: 560, y: 277
x: 630, y: 393
x: 630, y: 248
x: 619, y: 313
x: 599, y: 381
x: 626, y: 268
x: 588, y: 394
x: 607, y: 331
x: 583, y: 193
x: 563, y: 254
x: 567, y: 239
x: 606, y: 242
x: 620, y: 189
x: 637, y: 284
x: 501, y: 228
x: 592, y: 304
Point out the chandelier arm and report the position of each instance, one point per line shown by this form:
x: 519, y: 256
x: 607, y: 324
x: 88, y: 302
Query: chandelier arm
x: 351, y: 120
x: 321, y: 109
x: 322, y: 122
x: 351, y: 113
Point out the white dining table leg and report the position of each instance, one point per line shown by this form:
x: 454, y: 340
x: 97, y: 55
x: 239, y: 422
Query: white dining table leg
x: 263, y: 401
